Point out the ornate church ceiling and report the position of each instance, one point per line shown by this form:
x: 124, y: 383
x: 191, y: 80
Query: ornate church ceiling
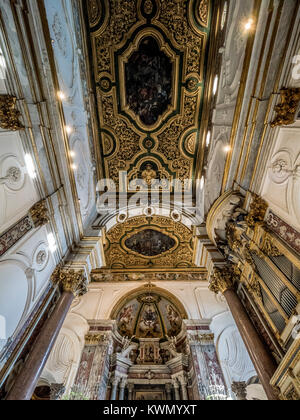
x: 149, y: 242
x: 149, y: 66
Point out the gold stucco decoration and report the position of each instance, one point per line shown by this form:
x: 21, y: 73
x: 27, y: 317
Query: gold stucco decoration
x: 9, y: 115
x: 70, y: 281
x: 288, y: 109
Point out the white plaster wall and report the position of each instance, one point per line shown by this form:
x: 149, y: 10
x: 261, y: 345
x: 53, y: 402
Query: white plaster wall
x: 24, y: 275
x: 16, y: 197
x: 281, y: 180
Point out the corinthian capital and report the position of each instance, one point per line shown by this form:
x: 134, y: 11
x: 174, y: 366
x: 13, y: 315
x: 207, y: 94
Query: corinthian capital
x: 39, y: 214
x: 222, y: 280
x: 71, y: 281
x: 9, y: 115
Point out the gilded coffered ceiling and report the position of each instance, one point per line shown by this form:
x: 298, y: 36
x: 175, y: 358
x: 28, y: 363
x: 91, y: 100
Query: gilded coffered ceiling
x: 149, y: 67
x: 149, y: 243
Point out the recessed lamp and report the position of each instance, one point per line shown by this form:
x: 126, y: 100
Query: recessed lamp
x: 249, y: 24
x: 61, y: 95
x: 72, y: 154
x: 30, y: 166
x: 51, y: 242
x: 227, y: 149
x: 208, y: 137
x: 69, y: 129
x: 74, y: 167
x: 215, y: 86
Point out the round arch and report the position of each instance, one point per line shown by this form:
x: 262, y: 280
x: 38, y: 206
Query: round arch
x: 134, y: 293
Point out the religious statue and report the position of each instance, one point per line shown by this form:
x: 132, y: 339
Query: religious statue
x: 149, y: 174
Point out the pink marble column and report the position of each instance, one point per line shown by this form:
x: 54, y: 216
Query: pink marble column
x: 73, y: 284
x: 261, y: 358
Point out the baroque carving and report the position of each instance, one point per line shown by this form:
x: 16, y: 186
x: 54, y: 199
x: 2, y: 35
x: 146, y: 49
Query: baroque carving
x: 9, y: 115
x: 270, y: 249
x: 70, y: 281
x: 257, y: 212
x: 222, y: 279
x: 288, y: 109
x: 39, y: 214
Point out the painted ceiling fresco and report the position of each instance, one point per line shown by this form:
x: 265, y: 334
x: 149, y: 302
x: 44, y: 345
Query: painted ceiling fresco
x: 149, y: 242
x: 149, y: 67
x: 148, y: 81
x: 149, y: 315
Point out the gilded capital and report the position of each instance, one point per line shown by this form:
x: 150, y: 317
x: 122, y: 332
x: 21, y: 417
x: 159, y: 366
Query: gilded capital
x: 288, y: 108
x: 9, y: 115
x: 222, y: 280
x: 70, y: 281
x: 39, y: 214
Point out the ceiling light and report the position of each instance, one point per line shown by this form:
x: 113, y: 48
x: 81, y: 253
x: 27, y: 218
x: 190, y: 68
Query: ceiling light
x: 69, y: 129
x: 249, y: 24
x: 72, y: 154
x: 51, y: 242
x: 61, y: 95
x: 74, y: 167
x: 202, y: 183
x: 208, y: 137
x: 30, y: 166
x: 227, y: 149
x: 215, y: 87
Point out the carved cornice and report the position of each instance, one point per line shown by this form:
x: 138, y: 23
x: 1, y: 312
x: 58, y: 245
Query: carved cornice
x: 257, y: 212
x: 288, y: 108
x: 39, y: 214
x: 9, y: 115
x: 70, y: 281
x: 222, y: 279
x: 95, y: 339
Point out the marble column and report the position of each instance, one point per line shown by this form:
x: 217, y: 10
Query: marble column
x: 114, y: 388
x: 122, y: 389
x: 130, y: 388
x: 169, y: 392
x: 240, y: 390
x: 183, y: 384
x: 176, y: 389
x: 72, y: 284
x: 222, y: 281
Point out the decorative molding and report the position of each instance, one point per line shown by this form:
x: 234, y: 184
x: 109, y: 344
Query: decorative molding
x: 112, y: 276
x: 39, y: 214
x: 70, y: 281
x: 9, y: 115
x: 287, y: 110
x: 270, y: 249
x: 95, y: 339
x: 285, y: 232
x: 14, y: 234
